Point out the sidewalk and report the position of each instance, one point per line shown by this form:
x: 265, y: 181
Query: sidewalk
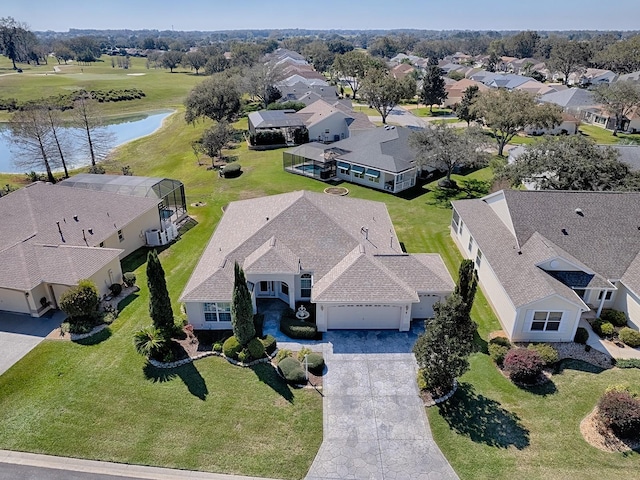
x: 109, y: 468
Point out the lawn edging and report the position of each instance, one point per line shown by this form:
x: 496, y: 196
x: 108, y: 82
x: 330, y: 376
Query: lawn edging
x: 184, y: 361
x: 445, y: 397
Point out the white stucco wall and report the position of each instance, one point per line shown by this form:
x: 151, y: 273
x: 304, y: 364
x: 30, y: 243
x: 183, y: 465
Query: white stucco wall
x: 629, y: 303
x: 336, y: 124
x: 133, y: 233
x: 570, y: 318
x: 195, y: 315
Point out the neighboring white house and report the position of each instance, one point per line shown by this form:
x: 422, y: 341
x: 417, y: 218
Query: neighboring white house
x: 331, y: 122
x: 546, y: 257
x: 52, y: 236
x: 339, y: 253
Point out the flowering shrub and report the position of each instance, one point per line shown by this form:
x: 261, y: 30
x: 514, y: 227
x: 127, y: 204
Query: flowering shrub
x: 523, y: 365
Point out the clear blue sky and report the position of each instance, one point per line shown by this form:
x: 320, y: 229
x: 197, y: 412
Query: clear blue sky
x: 60, y: 15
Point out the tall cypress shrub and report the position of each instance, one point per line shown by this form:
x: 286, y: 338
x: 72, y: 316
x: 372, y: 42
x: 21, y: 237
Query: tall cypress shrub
x: 241, y: 308
x: 159, y: 302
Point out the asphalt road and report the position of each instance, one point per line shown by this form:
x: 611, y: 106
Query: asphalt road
x: 26, y: 472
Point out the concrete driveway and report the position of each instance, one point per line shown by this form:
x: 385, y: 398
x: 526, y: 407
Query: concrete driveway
x: 375, y: 425
x: 21, y: 333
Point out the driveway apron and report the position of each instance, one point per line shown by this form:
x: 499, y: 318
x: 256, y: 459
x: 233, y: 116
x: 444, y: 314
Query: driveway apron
x: 375, y: 425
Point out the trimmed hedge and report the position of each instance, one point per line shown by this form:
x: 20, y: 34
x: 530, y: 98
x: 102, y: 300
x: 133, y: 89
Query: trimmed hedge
x: 628, y: 363
x: 602, y: 328
x: 582, y: 335
x: 231, y: 170
x: 293, y: 327
x: 630, y: 337
x: 255, y: 348
x: 615, y: 317
x: 497, y: 353
x: 231, y: 347
x: 315, y: 362
x: 620, y: 411
x: 292, y: 370
x: 548, y: 354
x: 523, y: 365
x: 503, y: 341
x: 269, y: 343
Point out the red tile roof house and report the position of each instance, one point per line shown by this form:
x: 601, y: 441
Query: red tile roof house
x: 52, y: 236
x: 545, y: 258
x: 342, y: 254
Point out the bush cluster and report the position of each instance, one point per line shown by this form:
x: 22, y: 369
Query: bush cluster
x: 293, y: 327
x: 581, y: 336
x: 497, y: 353
x: 269, y: 343
x: 129, y: 279
x: 231, y: 348
x: 628, y: 363
x: 620, y: 411
x: 292, y: 370
x: 602, y: 328
x: 255, y: 348
x: 548, y: 354
x: 630, y: 337
x: 116, y: 289
x: 231, y: 170
x: 523, y: 365
x: 275, y: 137
x: 315, y: 362
x: 116, y: 95
x: 615, y: 317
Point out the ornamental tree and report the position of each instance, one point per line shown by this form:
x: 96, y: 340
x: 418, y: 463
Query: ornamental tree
x: 160, y: 309
x: 241, y: 308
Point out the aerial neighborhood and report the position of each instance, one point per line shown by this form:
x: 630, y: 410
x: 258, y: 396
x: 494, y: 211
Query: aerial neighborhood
x: 319, y: 253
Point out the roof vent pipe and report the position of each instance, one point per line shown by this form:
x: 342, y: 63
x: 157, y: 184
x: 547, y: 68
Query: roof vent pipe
x: 75, y: 217
x: 579, y: 212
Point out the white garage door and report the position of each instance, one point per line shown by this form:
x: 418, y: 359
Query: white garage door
x: 364, y: 317
x: 424, y: 309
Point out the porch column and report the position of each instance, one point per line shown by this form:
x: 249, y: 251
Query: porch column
x: 604, y: 296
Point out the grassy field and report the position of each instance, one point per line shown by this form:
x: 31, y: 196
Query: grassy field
x: 602, y: 136
x: 437, y: 112
x: 162, y: 89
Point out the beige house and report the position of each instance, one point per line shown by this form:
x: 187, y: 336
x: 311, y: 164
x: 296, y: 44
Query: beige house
x: 52, y: 236
x: 546, y: 257
x: 339, y: 253
x: 331, y: 122
x: 455, y: 91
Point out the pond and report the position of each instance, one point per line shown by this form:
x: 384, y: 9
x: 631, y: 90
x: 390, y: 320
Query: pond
x: 124, y: 130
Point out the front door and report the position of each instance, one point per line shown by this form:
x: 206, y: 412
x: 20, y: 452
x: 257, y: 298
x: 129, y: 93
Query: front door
x: 267, y: 289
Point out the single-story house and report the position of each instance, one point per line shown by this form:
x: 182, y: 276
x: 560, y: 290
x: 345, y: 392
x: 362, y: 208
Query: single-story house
x: 592, y: 76
x: 284, y: 121
x: 330, y: 122
x: 601, y: 117
x: 455, y: 91
x: 402, y: 70
x: 341, y: 254
x: 568, y: 126
x: 380, y: 158
x: 52, y: 236
x: 546, y: 257
x: 307, y: 94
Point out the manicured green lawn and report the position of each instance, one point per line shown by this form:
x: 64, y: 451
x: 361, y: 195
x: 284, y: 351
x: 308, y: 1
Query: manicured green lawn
x: 162, y: 89
x: 603, y: 136
x: 437, y: 112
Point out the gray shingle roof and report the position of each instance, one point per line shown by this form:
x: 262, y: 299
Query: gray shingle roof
x: 381, y: 148
x: 629, y: 154
x: 275, y: 119
x: 571, y: 98
x: 34, y: 210
x: 516, y: 268
x: 606, y: 237
x: 424, y: 272
x: 311, y: 231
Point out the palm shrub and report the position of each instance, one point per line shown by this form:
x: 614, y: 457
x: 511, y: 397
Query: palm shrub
x: 523, y: 365
x: 241, y: 308
x: 619, y: 410
x: 282, y: 354
x: 150, y: 342
x: 630, y: 337
x: 160, y: 309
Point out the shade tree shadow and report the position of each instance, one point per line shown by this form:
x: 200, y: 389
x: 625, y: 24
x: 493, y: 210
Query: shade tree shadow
x: 483, y: 420
x: 578, y: 365
x: 268, y: 375
x: 188, y: 373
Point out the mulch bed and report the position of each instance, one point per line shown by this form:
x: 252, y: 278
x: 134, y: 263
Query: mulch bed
x: 599, y: 436
x: 191, y: 348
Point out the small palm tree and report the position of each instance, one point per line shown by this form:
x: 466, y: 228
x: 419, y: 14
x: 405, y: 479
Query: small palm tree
x: 149, y: 341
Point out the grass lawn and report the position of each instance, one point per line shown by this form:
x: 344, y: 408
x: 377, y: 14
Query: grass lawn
x: 437, y: 112
x: 162, y: 88
x: 603, y: 136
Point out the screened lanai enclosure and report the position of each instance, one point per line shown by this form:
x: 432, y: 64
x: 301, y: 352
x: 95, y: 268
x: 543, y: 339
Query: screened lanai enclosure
x: 172, y: 208
x: 314, y: 160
